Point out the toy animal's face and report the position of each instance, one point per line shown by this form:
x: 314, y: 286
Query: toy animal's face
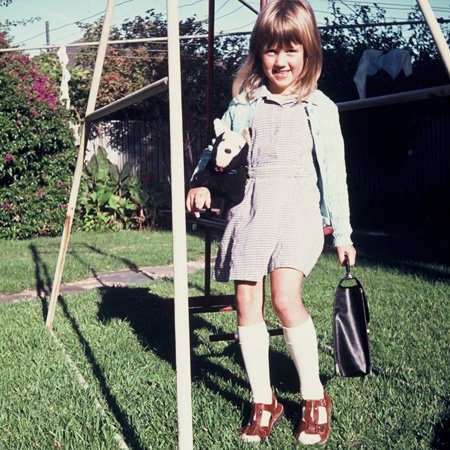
x: 227, y: 147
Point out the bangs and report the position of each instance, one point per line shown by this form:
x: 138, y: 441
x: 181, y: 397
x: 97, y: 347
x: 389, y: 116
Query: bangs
x: 281, y: 32
x: 281, y: 37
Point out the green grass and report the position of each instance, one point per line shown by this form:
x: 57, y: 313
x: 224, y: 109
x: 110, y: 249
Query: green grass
x: 25, y: 264
x: 122, y: 341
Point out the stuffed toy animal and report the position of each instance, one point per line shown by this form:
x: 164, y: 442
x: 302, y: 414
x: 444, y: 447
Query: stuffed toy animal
x: 225, y: 173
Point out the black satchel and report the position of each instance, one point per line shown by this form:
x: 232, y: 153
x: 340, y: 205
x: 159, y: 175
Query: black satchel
x: 350, y: 334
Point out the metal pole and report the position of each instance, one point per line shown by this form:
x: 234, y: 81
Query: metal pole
x: 181, y: 300
x: 79, y: 164
x: 210, y: 78
x: 47, y: 32
x: 436, y: 32
x: 130, y: 99
x: 250, y: 7
x: 393, y: 99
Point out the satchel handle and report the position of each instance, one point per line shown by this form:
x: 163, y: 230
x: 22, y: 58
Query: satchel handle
x: 347, y: 267
x: 350, y: 276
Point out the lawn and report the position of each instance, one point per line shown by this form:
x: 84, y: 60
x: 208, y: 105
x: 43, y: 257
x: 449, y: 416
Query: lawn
x: 108, y: 372
x: 31, y: 264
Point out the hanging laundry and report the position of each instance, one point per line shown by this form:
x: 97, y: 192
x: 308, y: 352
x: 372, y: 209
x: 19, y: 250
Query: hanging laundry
x: 373, y: 61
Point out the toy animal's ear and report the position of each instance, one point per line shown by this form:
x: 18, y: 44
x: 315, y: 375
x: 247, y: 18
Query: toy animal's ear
x: 247, y: 133
x: 219, y: 127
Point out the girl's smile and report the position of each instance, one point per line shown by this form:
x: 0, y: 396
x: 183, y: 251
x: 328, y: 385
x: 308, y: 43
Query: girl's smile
x: 283, y: 67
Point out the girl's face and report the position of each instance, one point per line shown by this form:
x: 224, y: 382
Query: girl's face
x: 283, y: 67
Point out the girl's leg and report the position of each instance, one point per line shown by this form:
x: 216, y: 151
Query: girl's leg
x: 301, y: 339
x: 254, y: 339
x: 298, y: 328
x: 254, y: 342
x: 249, y: 302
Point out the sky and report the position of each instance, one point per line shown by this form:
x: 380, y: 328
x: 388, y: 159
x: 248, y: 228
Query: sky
x: 231, y: 15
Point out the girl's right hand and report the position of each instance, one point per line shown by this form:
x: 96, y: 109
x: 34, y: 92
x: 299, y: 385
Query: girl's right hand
x: 197, y: 199
x: 346, y: 251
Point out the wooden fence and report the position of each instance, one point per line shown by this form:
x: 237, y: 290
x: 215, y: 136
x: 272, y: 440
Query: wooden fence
x: 398, y: 160
x: 398, y: 157
x: 145, y: 144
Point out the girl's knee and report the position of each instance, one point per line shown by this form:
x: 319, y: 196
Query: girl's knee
x: 286, y: 303
x: 289, y: 309
x: 246, y: 302
x: 249, y: 302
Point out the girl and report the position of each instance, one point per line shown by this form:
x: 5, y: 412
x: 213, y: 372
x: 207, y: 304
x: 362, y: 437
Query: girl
x: 296, y: 184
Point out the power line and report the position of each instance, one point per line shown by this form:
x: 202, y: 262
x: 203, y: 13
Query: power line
x: 346, y: 3
x: 229, y: 13
x: 100, y: 13
x: 217, y: 35
x: 222, y: 6
x: 74, y: 23
x: 389, y: 5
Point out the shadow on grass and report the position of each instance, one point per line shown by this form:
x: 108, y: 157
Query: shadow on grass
x: 127, y: 262
x: 420, y: 249
x: 42, y: 279
x: 441, y: 438
x: 127, y: 429
x: 153, y: 323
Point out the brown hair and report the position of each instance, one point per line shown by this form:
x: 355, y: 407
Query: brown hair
x: 282, y: 23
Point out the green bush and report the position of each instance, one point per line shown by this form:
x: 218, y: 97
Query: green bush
x: 116, y: 200
x: 80, y: 79
x: 37, y: 152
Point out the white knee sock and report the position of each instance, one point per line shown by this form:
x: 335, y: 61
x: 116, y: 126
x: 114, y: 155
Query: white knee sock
x: 302, y: 344
x: 254, y: 341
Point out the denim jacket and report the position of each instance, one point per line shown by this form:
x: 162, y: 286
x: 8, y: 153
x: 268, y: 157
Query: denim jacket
x: 329, y: 152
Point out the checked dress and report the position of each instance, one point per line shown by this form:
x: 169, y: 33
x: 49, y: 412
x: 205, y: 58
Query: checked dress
x: 278, y: 224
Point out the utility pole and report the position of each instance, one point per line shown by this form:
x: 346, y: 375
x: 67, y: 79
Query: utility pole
x: 47, y: 32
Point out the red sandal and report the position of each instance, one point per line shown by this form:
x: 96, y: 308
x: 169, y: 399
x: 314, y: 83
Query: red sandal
x: 254, y: 431
x: 309, y: 423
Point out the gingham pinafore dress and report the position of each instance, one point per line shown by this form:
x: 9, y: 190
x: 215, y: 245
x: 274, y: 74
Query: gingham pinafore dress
x: 278, y: 224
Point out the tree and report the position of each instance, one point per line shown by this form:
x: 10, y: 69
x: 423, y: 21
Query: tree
x: 129, y: 67
x: 429, y: 69
x: 343, y: 48
x: 79, y: 83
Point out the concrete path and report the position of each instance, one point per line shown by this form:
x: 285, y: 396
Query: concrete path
x: 118, y: 278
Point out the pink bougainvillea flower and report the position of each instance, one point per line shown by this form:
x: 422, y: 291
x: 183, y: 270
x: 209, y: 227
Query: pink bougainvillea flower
x: 41, y: 193
x: 6, y: 207
x: 9, y: 157
x: 33, y: 113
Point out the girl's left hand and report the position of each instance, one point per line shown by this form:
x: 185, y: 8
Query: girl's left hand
x: 346, y: 250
